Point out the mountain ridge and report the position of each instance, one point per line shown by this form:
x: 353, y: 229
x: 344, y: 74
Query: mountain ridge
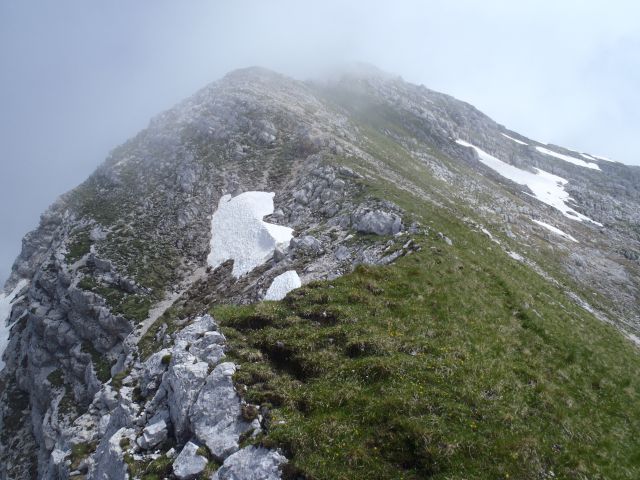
x: 368, y: 170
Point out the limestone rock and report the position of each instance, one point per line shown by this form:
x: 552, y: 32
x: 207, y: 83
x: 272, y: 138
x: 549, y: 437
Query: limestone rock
x: 376, y: 221
x: 188, y: 464
x: 251, y: 463
x: 111, y: 465
x: 216, y: 415
x: 153, y: 435
x: 183, y: 383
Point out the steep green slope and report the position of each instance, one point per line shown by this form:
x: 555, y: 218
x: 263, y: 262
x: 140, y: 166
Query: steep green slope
x: 456, y: 362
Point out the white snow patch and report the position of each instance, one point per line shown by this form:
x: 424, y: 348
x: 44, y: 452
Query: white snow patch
x: 5, y: 311
x: 514, y: 139
x: 488, y: 234
x: 567, y: 158
x: 239, y: 233
x: 282, y: 285
x: 515, y: 256
x: 588, y: 157
x: 546, y: 187
x: 555, y: 230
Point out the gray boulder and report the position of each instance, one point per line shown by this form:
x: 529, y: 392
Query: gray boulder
x: 111, y: 465
x: 377, y: 222
x: 183, y: 382
x: 189, y: 464
x: 307, y: 243
x: 251, y: 463
x: 216, y: 415
x: 153, y: 435
x: 154, y: 368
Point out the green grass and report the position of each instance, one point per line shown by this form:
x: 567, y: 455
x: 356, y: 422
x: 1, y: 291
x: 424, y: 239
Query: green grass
x: 81, y: 451
x: 149, y: 470
x: 100, y: 362
x: 56, y: 378
x: 132, y: 306
x: 453, y: 363
x: 79, y: 247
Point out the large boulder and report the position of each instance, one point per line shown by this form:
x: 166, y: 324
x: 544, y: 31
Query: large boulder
x: 376, y: 221
x: 182, y: 382
x: 216, y: 415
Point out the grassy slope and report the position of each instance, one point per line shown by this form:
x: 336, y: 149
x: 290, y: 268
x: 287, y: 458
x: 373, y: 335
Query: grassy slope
x: 456, y: 362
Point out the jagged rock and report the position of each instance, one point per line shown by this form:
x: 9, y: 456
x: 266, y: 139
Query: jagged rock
x: 111, y: 465
x: 251, y: 463
x: 216, y: 415
x: 307, y: 243
x: 279, y: 254
x: 377, y: 222
x: 183, y: 382
x: 188, y: 464
x: 301, y: 197
x: 153, y: 435
x: 154, y: 368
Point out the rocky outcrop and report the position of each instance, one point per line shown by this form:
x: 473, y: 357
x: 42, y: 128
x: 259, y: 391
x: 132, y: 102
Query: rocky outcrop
x: 377, y: 222
x: 128, y: 428
x: 216, y: 416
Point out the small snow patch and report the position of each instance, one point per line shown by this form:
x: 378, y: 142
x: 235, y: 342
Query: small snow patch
x: 282, y: 285
x: 6, y: 302
x: 567, y: 158
x: 514, y: 139
x: 555, y: 230
x: 515, y: 256
x: 488, y: 234
x: 239, y: 233
x: 546, y: 187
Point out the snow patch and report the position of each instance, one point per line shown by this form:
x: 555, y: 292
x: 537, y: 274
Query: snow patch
x: 491, y: 237
x: 546, y: 187
x: 567, y: 158
x: 6, y: 302
x: 282, y: 285
x: 515, y: 256
x: 555, y: 230
x: 238, y: 232
x: 514, y: 139
x: 588, y: 157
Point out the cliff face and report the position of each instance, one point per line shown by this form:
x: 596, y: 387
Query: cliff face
x: 112, y: 360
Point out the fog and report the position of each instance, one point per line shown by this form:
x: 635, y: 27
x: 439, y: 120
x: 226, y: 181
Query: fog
x: 79, y: 77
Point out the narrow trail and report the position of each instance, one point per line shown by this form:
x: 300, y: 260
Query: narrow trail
x: 159, y: 308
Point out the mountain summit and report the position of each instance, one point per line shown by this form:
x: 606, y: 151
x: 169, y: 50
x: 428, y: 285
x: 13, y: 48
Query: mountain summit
x: 350, y: 278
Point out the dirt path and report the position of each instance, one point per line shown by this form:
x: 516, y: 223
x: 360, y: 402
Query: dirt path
x: 162, y: 306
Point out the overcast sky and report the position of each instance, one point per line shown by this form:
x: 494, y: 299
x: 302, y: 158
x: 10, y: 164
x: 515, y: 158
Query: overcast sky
x: 78, y: 77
